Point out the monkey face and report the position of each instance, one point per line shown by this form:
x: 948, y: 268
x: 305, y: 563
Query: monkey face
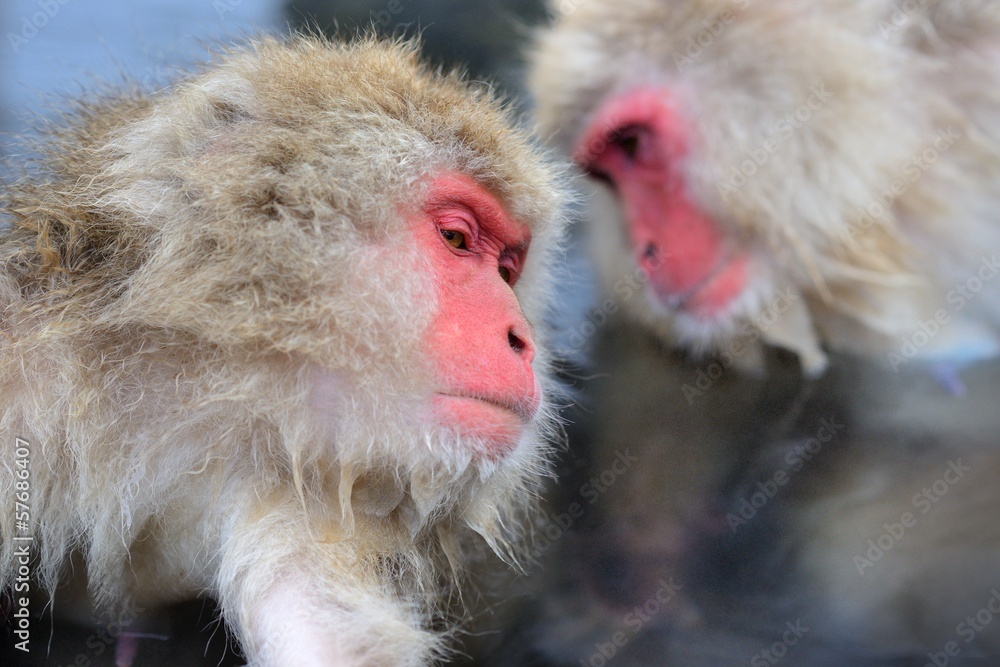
x: 471, y: 354
x: 480, y: 344
x: 636, y: 144
x: 704, y: 278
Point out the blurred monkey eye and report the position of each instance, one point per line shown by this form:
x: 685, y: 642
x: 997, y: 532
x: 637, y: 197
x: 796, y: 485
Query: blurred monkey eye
x: 505, y: 274
x: 454, y: 239
x: 627, y: 139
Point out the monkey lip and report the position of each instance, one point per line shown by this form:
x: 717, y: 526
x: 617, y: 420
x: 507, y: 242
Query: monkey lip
x: 525, y: 410
x: 496, y: 423
x: 710, y: 295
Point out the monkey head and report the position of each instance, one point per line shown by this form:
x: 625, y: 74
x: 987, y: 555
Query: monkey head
x: 332, y: 241
x: 780, y: 174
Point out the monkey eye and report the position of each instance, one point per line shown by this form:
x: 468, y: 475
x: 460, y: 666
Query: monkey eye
x: 627, y: 140
x: 454, y: 239
x: 511, y: 263
x: 628, y: 146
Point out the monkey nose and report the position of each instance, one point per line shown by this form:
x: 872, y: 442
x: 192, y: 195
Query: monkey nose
x: 519, y: 339
x: 649, y: 259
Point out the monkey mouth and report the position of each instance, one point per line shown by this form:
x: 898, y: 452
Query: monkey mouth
x: 525, y: 410
x: 709, y: 297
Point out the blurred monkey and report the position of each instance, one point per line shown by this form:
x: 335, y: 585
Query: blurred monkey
x: 755, y: 167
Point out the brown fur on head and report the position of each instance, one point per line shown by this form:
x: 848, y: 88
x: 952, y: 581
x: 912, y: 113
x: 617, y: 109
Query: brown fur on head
x: 180, y: 268
x: 860, y: 274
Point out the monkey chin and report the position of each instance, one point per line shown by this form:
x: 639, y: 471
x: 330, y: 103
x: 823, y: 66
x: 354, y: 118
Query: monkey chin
x: 495, y: 426
x: 711, y: 308
x: 722, y: 310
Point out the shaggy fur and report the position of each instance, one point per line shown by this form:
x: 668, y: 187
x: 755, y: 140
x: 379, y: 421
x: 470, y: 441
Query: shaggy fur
x: 898, y: 74
x: 177, y: 268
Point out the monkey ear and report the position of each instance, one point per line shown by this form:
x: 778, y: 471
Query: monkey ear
x: 225, y: 102
x: 227, y: 114
x: 191, y: 121
x: 227, y: 98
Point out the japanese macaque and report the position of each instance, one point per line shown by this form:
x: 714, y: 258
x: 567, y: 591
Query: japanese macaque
x: 756, y: 169
x: 273, y: 334
x: 808, y: 190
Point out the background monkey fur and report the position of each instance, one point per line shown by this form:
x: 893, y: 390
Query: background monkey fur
x: 664, y: 103
x: 223, y: 306
x: 855, y: 225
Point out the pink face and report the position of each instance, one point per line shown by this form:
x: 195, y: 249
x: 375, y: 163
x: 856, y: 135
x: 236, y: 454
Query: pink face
x: 635, y: 143
x: 480, y: 343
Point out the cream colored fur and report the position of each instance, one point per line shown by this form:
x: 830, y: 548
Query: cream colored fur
x: 895, y: 79
x: 211, y: 331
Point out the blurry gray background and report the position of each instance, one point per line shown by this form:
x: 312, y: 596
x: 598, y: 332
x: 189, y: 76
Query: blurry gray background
x: 53, y: 48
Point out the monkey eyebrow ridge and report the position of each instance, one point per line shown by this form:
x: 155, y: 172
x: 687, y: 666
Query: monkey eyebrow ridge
x: 458, y: 190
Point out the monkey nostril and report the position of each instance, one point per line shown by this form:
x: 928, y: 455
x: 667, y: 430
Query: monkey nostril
x: 520, y: 338
x: 515, y: 342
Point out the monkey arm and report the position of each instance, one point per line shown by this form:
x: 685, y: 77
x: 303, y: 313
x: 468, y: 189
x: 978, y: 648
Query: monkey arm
x: 299, y: 599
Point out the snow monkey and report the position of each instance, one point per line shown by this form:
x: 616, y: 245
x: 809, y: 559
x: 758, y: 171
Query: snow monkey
x: 783, y: 186
x: 273, y: 334
x: 753, y: 165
